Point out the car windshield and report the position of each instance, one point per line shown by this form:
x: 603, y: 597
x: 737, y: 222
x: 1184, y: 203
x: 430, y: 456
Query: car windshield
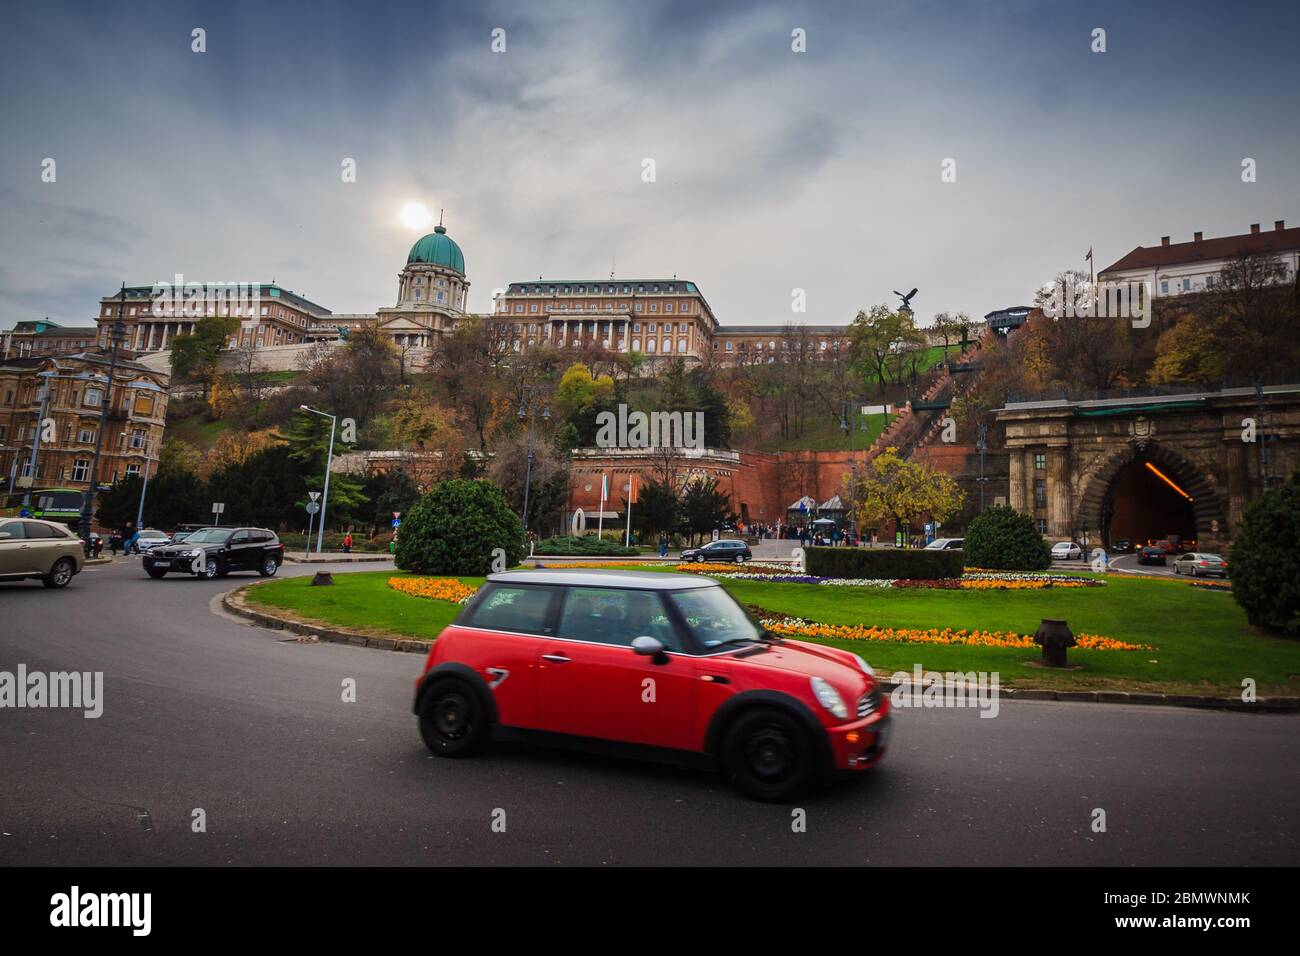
x: 714, y: 617
x: 152, y: 534
x: 208, y: 536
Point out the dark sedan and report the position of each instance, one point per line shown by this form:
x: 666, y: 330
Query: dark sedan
x: 729, y: 550
x: 215, y: 552
x: 1152, y: 554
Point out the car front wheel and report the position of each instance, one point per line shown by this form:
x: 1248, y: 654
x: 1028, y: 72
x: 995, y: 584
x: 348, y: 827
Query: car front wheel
x: 768, y: 755
x: 210, y: 569
x: 155, y: 572
x: 60, y: 574
x: 453, y: 720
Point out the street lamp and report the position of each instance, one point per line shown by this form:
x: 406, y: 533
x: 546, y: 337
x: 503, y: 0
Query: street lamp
x: 329, y: 458
x: 116, y: 337
x: 528, y: 409
x: 982, y: 444
x: 853, y: 461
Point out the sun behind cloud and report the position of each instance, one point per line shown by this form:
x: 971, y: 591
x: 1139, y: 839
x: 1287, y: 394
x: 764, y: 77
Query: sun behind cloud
x: 416, y: 215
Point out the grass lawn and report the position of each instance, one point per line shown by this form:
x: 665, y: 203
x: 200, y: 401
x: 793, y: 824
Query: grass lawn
x: 1202, y: 642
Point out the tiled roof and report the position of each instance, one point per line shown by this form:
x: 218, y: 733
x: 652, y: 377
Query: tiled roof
x: 1271, y: 241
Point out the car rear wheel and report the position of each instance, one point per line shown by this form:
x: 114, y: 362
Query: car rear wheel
x: 453, y: 719
x: 60, y: 574
x: 268, y: 568
x: 210, y: 569
x: 155, y: 572
x: 768, y: 755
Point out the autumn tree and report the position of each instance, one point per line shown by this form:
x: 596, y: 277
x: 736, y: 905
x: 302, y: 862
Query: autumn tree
x: 892, y: 488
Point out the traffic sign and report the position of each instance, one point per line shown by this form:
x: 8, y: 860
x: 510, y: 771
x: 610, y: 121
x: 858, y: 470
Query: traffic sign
x: 218, y: 507
x: 313, y: 507
x: 313, y: 495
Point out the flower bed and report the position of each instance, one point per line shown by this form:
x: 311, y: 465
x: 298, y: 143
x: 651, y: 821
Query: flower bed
x: 796, y: 627
x: 436, y: 589
x: 975, y: 581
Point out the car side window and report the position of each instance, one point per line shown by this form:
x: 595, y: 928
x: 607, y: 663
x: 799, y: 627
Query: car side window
x: 512, y: 608
x: 15, y: 529
x: 37, y: 530
x: 616, y: 616
x: 239, y: 537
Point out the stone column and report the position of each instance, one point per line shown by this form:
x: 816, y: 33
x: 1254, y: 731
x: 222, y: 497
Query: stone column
x: 1059, y: 511
x: 1016, y: 469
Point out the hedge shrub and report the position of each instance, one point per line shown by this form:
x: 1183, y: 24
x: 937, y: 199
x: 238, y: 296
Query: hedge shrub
x: 455, y: 528
x: 1003, y: 539
x: 882, y: 563
x: 1265, y: 560
x: 587, y: 545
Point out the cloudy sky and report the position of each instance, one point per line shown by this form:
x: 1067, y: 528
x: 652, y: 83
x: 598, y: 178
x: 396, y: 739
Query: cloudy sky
x: 775, y: 170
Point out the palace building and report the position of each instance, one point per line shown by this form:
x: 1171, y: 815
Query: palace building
x: 659, y: 318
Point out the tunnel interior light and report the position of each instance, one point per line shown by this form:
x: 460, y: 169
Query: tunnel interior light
x: 1167, y: 480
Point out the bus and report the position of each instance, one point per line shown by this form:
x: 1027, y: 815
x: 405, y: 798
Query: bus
x: 49, y: 504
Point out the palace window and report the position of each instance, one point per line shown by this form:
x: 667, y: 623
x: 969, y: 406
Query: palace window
x: 80, y: 470
x: 668, y: 306
x: 1040, y: 462
x: 728, y: 345
x: 93, y: 397
x: 1042, y: 525
x: 681, y: 345
x: 668, y: 345
x: 86, y: 436
x: 1040, y: 492
x: 132, y: 469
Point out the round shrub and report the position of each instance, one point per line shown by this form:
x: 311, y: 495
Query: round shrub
x: 455, y: 528
x: 1265, y: 560
x: 1003, y: 539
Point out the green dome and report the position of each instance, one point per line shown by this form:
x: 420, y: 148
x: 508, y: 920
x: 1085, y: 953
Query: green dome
x: 439, y: 250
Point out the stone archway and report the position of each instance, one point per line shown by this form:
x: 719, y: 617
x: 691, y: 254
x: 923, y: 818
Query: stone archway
x: 1207, y: 504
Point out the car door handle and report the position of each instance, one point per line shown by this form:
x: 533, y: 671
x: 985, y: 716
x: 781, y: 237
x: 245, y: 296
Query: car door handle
x: 556, y: 658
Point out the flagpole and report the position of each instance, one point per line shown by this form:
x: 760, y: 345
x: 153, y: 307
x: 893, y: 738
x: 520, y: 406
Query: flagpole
x: 604, y: 490
x: 627, y: 537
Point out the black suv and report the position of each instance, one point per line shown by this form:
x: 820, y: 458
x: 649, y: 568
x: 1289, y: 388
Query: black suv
x: 736, y: 551
x: 215, y: 552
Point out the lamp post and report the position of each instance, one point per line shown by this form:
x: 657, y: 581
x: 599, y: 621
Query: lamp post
x: 982, y: 444
x: 329, y: 458
x: 853, y: 462
x: 528, y: 410
x: 116, y: 336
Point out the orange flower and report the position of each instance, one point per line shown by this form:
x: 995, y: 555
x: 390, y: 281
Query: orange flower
x: 436, y: 589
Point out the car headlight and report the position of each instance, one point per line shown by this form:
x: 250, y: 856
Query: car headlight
x: 866, y: 668
x: 829, y: 698
x: 192, y: 554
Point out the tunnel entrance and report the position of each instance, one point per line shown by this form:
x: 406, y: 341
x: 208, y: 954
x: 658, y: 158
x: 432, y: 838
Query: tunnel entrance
x: 1146, y: 503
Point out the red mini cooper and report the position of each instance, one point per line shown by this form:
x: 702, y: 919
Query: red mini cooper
x: 656, y: 664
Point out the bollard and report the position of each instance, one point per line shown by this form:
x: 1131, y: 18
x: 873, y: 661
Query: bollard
x: 1055, y: 637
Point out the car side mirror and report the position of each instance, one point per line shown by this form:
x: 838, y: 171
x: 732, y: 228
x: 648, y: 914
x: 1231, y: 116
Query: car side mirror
x: 647, y: 646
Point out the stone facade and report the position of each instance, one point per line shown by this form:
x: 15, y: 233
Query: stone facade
x: 1065, y: 456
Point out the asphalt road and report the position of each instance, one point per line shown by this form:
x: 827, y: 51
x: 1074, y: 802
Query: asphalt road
x: 202, y: 711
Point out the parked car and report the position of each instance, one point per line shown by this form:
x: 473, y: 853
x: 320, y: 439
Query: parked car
x: 1197, y: 563
x: 722, y: 550
x: 48, y: 550
x: 1066, y: 551
x: 215, y: 552
x: 1152, y: 554
x: 150, y: 538
x: 565, y: 657
x: 945, y: 544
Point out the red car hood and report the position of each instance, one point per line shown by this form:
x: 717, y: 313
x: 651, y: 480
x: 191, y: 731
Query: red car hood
x: 813, y: 660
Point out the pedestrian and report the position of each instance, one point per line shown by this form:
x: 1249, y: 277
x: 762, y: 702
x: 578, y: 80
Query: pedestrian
x: 347, y: 542
x: 114, y: 541
x: 663, y: 545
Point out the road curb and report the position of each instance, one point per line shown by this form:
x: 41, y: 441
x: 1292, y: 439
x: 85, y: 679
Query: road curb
x: 233, y: 601
x: 1271, y: 704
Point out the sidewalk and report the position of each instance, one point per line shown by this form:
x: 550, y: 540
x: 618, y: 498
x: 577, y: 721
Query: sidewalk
x: 335, y: 557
